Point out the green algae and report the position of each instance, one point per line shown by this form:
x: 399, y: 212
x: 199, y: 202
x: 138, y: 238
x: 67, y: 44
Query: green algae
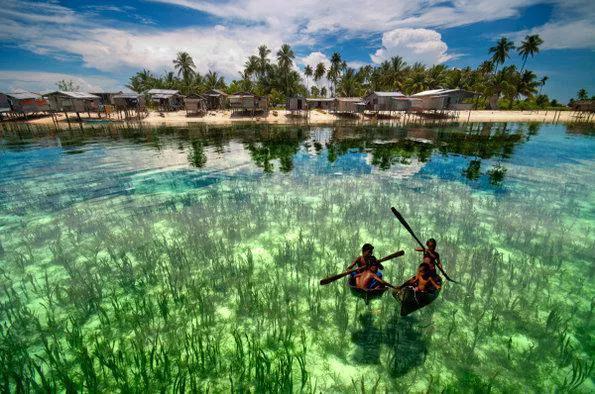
x: 132, y: 272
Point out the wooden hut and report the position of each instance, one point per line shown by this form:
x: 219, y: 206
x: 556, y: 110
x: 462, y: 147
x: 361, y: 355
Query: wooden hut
x: 297, y: 103
x: 77, y: 102
x: 349, y: 105
x: 195, y: 105
x: 248, y: 102
x: 25, y: 103
x: 321, y: 103
x: 106, y: 98
x: 166, y: 99
x: 444, y: 99
x: 215, y: 99
x: 583, y: 105
x: 130, y: 104
x: 382, y: 101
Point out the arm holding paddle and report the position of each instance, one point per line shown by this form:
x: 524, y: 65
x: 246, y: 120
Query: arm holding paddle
x: 333, y: 278
x: 423, y: 248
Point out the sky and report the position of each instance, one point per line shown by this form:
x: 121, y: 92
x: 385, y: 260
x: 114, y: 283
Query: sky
x: 100, y: 44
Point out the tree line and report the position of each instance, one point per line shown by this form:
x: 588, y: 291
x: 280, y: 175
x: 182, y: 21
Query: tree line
x: 497, y: 82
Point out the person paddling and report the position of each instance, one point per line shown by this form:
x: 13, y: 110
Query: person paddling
x: 434, y: 257
x: 363, y: 260
x: 371, y: 278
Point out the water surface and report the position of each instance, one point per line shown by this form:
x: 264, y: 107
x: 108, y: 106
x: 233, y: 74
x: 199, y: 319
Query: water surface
x: 189, y: 258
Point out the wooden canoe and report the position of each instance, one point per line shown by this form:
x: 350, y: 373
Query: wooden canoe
x: 366, y: 295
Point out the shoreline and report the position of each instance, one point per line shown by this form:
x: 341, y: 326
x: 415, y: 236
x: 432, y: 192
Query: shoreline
x: 225, y: 117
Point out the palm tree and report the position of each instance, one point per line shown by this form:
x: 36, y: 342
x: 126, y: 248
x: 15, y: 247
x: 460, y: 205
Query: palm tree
x: 323, y: 91
x: 582, y: 94
x: 350, y: 84
x: 529, y: 47
x: 251, y: 66
x: 308, y: 73
x: 263, y: 60
x: 334, y: 70
x: 285, y: 58
x: 501, y: 51
x: 214, y: 81
x: 542, y: 82
x: 185, y: 65
x: 319, y: 72
x: 526, y: 85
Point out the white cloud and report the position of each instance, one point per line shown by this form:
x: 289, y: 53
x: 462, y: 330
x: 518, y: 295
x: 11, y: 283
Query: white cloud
x: 413, y: 45
x: 314, y: 58
x: 563, y: 35
x: 41, y: 82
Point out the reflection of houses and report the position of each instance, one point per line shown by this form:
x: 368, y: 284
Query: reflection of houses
x: 195, y: 105
x: 383, y: 101
x: 442, y: 99
x: 349, y: 105
x: 320, y: 103
x: 248, y: 102
x: 61, y: 101
x: 215, y: 99
x: 26, y: 103
x: 166, y: 99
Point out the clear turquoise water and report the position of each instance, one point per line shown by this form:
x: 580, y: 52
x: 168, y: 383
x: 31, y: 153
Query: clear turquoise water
x: 188, y: 259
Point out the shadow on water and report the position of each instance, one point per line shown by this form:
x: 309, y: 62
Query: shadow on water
x: 402, y: 337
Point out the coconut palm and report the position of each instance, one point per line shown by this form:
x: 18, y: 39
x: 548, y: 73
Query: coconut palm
x: 334, y: 71
x: 349, y: 85
x: 542, y: 82
x: 501, y: 51
x: 582, y: 94
x: 263, y: 60
x: 185, y: 65
x: 319, y: 72
x: 285, y: 56
x: 529, y: 47
x: 308, y: 73
x: 323, y: 91
x: 213, y: 80
x: 251, y: 67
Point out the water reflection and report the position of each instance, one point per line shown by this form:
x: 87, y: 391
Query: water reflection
x: 459, y: 152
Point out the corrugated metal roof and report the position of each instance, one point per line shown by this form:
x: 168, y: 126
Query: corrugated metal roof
x: 80, y: 95
x: 389, y: 94
x: 356, y: 99
x: 320, y: 99
x: 163, y: 91
x: 23, y: 95
x: 429, y: 92
x: 127, y: 95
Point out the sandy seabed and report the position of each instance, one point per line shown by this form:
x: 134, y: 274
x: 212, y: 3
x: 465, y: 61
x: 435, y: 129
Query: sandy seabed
x: 322, y: 117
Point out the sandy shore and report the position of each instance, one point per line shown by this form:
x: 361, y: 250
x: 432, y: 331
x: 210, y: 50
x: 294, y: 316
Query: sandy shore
x: 323, y: 117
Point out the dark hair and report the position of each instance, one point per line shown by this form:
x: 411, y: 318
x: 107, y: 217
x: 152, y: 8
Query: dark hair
x: 367, y: 247
x: 431, y: 241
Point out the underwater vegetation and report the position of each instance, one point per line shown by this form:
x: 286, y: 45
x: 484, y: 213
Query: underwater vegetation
x: 189, y: 259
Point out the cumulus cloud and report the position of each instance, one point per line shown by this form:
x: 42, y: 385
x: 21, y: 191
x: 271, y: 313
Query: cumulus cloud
x: 413, y: 45
x: 42, y: 82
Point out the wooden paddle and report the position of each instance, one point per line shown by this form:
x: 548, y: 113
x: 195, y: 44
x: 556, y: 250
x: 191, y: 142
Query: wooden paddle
x: 408, y: 228
x: 333, y: 278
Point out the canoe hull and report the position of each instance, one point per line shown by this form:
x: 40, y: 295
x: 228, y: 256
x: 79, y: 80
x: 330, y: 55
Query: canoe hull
x: 412, y: 301
x: 366, y: 295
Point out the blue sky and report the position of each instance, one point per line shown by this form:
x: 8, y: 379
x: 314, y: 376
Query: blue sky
x: 100, y: 44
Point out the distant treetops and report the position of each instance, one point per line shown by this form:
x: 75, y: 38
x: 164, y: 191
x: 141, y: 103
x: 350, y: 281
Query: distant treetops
x: 279, y: 78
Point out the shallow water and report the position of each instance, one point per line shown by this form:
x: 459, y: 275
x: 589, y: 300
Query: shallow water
x: 183, y: 259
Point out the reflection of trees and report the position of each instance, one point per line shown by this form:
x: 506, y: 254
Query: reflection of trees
x: 197, y: 156
x: 263, y: 153
x: 473, y: 170
x: 496, y: 175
